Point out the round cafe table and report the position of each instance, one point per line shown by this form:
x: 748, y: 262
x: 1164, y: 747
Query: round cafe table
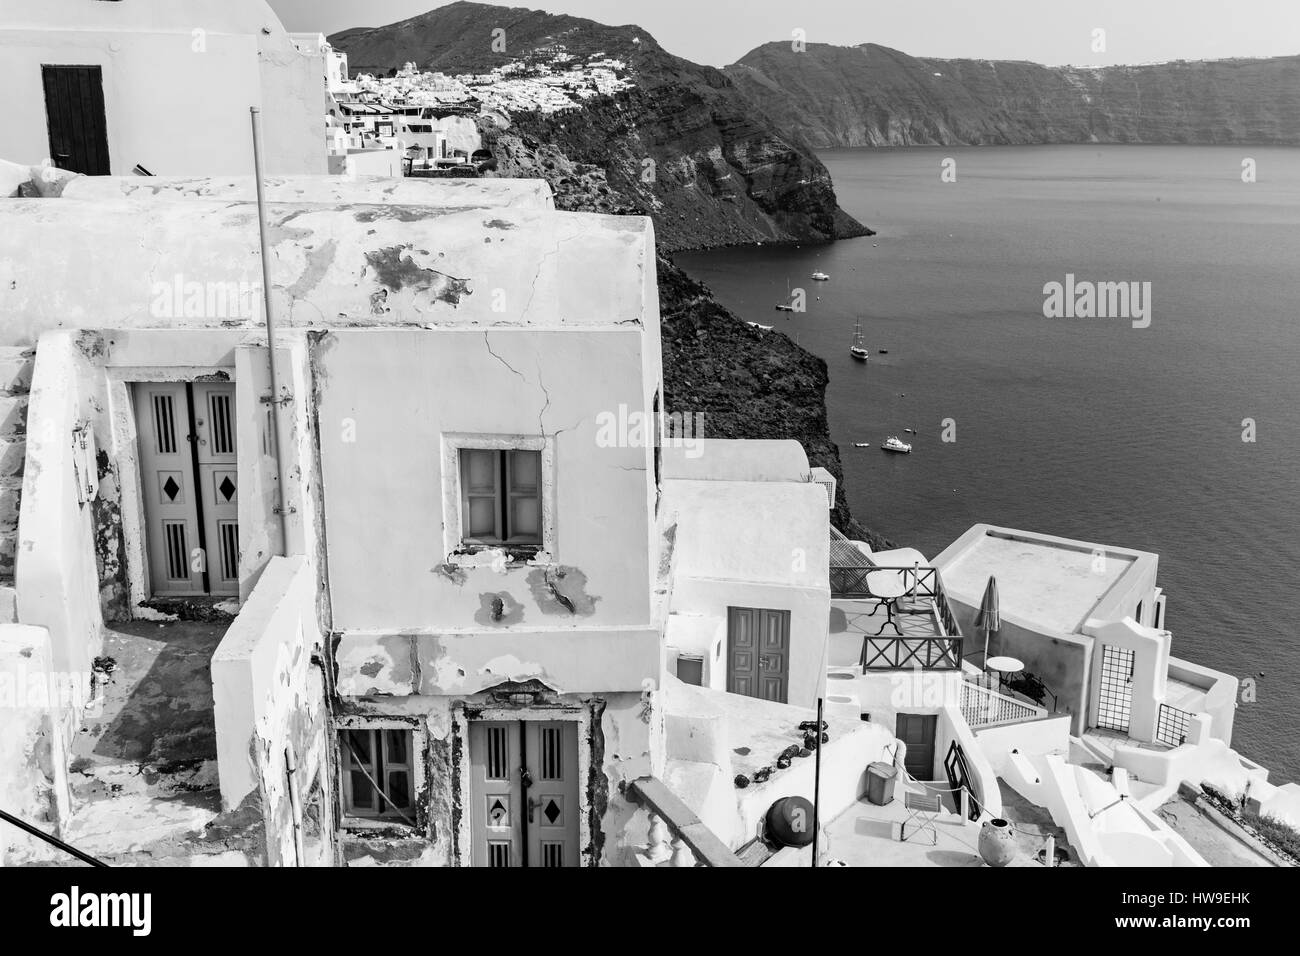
x: 1004, y: 666
x: 886, y: 587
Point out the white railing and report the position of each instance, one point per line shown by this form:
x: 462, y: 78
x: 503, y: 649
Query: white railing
x: 983, y: 707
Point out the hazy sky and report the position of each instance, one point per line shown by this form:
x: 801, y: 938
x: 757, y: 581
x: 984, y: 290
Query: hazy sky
x: 1046, y: 31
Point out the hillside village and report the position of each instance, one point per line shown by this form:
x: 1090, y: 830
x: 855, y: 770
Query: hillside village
x: 427, y: 118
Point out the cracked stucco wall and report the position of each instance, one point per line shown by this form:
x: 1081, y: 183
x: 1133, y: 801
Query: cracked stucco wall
x: 351, y: 266
x: 390, y: 401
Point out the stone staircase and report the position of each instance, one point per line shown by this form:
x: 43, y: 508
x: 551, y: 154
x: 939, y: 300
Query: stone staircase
x: 15, y: 380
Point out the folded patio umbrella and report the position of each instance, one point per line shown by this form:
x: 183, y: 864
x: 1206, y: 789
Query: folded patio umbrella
x: 989, y: 617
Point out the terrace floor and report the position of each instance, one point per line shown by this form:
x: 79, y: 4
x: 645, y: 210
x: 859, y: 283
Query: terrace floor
x: 868, y: 835
x: 143, y: 766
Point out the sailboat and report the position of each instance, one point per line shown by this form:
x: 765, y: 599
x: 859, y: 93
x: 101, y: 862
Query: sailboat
x: 857, y: 349
x: 786, y: 306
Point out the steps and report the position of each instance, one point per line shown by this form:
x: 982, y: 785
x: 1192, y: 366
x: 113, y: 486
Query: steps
x: 16, y: 364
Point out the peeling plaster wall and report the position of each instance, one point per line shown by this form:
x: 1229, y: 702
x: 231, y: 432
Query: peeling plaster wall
x: 269, y: 697
x: 389, y: 402
x: 33, y: 769
x: 357, y: 266
x: 614, y: 742
x: 569, y: 660
x: 326, y: 190
x: 56, y: 573
x: 154, y: 122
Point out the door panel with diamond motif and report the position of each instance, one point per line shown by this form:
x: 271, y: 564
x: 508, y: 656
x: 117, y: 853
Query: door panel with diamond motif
x: 524, y: 791
x: 189, y: 481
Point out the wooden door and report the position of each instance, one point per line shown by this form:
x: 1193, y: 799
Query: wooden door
x: 758, y: 653
x: 218, y: 477
x: 917, y: 732
x: 495, y: 789
x: 551, y: 807
x: 189, y: 478
x: 524, y: 793
x: 74, y: 113
x: 172, y: 531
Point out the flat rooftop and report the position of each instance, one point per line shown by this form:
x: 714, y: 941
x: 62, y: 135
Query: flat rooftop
x: 1052, y: 582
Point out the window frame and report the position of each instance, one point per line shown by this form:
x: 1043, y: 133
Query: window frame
x: 385, y: 813
x: 455, y: 498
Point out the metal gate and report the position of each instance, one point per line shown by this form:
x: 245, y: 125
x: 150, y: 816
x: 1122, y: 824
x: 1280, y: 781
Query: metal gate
x: 1116, y: 699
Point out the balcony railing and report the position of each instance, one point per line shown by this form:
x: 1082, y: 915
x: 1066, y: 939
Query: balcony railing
x: 677, y: 836
x: 923, y: 584
x: 984, y: 707
x: 932, y: 653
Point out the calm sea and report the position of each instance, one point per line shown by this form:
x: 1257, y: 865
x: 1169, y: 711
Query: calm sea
x: 1082, y: 427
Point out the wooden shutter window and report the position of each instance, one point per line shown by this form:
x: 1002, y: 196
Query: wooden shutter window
x: 480, y: 485
x: 501, y: 497
x: 524, y: 524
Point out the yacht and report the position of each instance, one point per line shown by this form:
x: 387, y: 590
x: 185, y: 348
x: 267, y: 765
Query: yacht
x: 862, y: 444
x: 857, y: 349
x: 892, y: 443
x: 820, y: 276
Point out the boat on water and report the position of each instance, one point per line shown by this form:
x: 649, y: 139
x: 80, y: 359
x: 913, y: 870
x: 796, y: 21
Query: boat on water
x: 820, y: 276
x: 788, y: 304
x: 762, y: 328
x: 883, y: 351
x: 895, y: 444
x: 910, y: 431
x: 857, y: 349
x: 862, y: 444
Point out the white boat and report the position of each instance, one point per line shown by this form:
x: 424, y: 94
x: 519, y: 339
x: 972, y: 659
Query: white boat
x: 910, y: 431
x: 762, y: 328
x: 892, y: 443
x: 820, y: 276
x: 857, y: 349
x: 862, y: 444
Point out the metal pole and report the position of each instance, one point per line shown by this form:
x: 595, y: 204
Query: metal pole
x: 817, y: 784
x: 270, y: 327
x: 52, y: 841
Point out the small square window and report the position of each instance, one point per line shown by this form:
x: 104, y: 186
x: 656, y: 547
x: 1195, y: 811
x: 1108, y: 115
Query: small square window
x: 501, y: 497
x: 377, y: 774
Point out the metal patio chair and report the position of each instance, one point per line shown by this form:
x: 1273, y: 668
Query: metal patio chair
x: 924, y: 808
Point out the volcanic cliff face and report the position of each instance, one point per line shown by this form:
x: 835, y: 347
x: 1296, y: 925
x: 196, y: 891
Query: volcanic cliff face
x: 683, y: 146
x: 870, y: 95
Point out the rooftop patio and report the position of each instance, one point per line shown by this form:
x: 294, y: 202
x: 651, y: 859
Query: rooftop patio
x: 868, y: 835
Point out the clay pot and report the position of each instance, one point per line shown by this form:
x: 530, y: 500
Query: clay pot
x: 997, y: 842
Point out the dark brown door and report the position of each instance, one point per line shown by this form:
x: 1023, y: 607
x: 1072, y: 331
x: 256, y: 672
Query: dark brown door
x: 758, y: 653
x: 916, y: 731
x: 74, y: 112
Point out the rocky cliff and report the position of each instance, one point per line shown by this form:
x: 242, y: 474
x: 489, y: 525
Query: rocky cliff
x: 870, y: 95
x: 685, y: 148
